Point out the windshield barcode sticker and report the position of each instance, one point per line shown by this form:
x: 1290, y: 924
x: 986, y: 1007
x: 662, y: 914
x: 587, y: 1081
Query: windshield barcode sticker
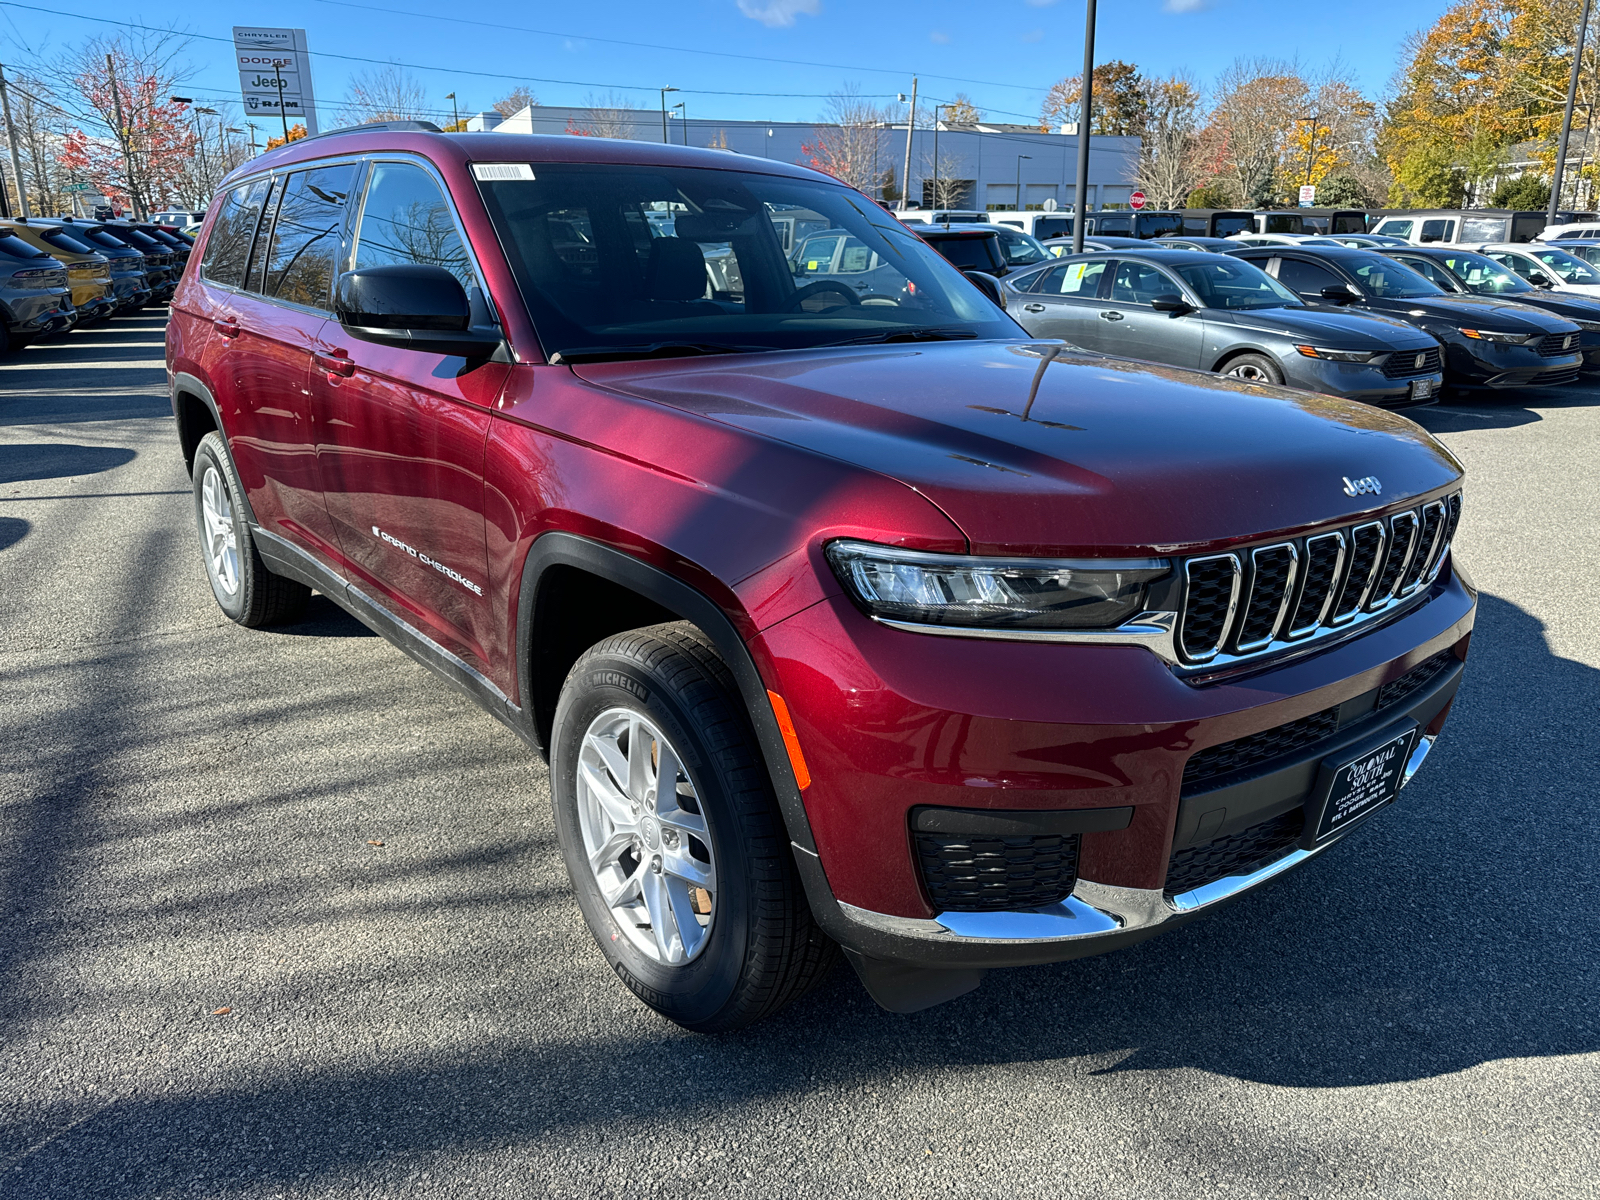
x: 499, y: 171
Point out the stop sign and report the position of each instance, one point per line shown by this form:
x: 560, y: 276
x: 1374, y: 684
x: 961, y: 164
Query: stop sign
x: 1136, y: 200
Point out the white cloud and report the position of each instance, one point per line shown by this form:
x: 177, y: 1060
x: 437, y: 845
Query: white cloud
x: 942, y: 38
x: 1185, y: 6
x: 1033, y: 35
x: 777, y: 13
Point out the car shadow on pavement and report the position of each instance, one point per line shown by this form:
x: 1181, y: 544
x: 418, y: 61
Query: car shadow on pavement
x: 12, y: 531
x: 1460, y: 412
x: 323, y: 619
x: 23, y: 463
x: 1455, y: 929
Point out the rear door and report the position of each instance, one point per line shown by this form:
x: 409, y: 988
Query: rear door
x: 1135, y: 330
x: 401, y: 432
x: 1063, y: 304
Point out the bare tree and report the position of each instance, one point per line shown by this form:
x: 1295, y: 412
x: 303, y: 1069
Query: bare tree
x: 515, y: 101
x: 947, y: 186
x: 847, y: 145
x: 1253, y: 120
x: 607, y: 116
x: 1169, y: 160
x: 385, y: 94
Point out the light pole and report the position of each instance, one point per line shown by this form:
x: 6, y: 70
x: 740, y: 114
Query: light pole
x: 664, y: 92
x: 1021, y: 207
x: 936, y: 203
x: 227, y: 145
x: 1566, y: 117
x: 911, y: 124
x: 199, y: 138
x: 278, y: 64
x: 455, y: 112
x: 683, y: 116
x: 1084, y: 111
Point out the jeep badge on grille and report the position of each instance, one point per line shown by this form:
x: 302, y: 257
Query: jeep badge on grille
x: 1368, y: 486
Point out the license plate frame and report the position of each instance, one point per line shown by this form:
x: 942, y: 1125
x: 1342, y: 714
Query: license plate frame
x: 1422, y: 389
x: 1356, y: 782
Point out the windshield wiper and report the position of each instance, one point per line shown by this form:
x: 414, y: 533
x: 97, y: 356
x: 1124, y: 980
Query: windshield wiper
x: 927, y: 334
x: 649, y: 350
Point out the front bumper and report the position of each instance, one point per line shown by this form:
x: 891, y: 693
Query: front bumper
x: 1509, y: 367
x: 894, y: 723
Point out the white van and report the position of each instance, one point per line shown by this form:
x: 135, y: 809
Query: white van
x: 941, y: 216
x: 1042, y: 225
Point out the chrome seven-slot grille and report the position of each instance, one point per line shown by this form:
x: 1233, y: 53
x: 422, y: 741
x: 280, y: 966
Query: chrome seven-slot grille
x: 1267, y: 597
x: 1412, y: 362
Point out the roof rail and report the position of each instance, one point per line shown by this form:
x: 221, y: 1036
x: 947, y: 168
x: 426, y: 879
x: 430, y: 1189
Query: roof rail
x: 378, y: 127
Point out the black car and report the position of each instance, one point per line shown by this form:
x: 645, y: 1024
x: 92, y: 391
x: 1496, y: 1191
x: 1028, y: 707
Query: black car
x: 1469, y: 273
x: 1144, y: 224
x: 1195, y: 309
x: 34, y: 297
x: 1488, y: 342
x: 130, y: 269
x: 1216, y: 222
x: 162, y: 265
x: 970, y: 247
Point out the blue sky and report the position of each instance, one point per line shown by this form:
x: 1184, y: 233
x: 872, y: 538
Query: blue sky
x: 1003, y: 53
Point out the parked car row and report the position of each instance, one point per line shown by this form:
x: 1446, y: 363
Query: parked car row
x: 1369, y: 319
x: 60, y: 272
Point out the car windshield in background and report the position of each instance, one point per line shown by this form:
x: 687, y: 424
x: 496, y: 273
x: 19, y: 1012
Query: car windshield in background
x: 1484, y: 275
x: 969, y: 253
x: 1237, y: 285
x: 1020, y: 250
x: 624, y: 261
x: 1571, y: 270
x: 1387, y: 278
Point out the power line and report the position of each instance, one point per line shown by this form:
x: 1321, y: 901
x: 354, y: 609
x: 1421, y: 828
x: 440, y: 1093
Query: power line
x: 583, y: 37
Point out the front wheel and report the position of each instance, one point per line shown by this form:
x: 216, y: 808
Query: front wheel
x: 1257, y: 368
x: 672, y: 836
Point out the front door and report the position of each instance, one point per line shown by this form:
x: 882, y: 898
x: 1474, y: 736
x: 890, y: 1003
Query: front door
x: 401, y: 435
x: 1135, y: 330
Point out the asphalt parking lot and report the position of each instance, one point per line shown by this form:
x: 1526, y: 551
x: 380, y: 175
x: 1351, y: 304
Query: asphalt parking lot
x: 214, y: 983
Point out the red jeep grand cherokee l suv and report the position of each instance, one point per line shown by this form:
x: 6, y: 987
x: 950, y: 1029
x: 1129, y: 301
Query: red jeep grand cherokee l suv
x: 847, y: 616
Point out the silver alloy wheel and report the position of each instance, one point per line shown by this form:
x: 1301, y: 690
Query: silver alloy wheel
x: 645, y: 837
x: 1249, y: 371
x: 221, y: 540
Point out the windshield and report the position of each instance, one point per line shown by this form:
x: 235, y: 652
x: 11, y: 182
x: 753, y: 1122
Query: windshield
x: 1389, y: 279
x: 1021, y: 250
x: 1484, y: 275
x: 968, y: 253
x: 1571, y: 270
x: 620, y: 258
x: 1237, y: 285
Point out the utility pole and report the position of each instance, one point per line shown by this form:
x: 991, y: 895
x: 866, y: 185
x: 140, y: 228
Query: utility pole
x: 455, y: 112
x: 1021, y: 207
x: 1084, y: 121
x: 685, y: 116
x: 1566, y: 116
x: 1311, y: 154
x: 278, y: 64
x: 664, y: 91
x: 911, y: 125
x: 11, y: 135
x: 123, y: 137
x: 936, y: 203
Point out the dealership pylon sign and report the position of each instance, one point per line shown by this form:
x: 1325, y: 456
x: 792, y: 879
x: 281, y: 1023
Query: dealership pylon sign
x: 274, y: 71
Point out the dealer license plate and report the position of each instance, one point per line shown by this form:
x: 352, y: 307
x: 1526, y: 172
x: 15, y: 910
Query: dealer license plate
x: 1365, y: 783
x: 1421, y: 389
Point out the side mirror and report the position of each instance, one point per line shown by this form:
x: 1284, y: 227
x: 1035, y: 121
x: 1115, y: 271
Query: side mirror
x: 1339, y: 293
x: 411, y: 306
x: 1168, y: 302
x: 988, y: 285
x: 1540, y: 279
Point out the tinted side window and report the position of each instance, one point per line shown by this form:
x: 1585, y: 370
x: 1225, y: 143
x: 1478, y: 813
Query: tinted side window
x: 406, y: 219
x: 1305, y: 279
x: 1080, y: 279
x: 62, y: 240
x: 1399, y: 229
x: 234, y: 229
x: 1437, y: 231
x: 1429, y: 270
x: 306, y: 236
x: 1140, y: 283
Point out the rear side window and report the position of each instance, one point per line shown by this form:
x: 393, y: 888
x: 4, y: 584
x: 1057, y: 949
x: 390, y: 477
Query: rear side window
x: 1483, y: 229
x: 306, y: 236
x: 970, y: 254
x: 1283, y: 223
x: 1080, y: 279
x: 1399, y: 229
x: 1305, y: 279
x: 406, y: 219
x: 232, y: 233
x: 62, y: 240
x: 1437, y: 231
x: 11, y: 244
x: 1429, y: 270
x: 1116, y: 225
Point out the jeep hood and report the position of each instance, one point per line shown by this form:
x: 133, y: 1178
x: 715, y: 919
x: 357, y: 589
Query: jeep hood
x: 1111, y: 456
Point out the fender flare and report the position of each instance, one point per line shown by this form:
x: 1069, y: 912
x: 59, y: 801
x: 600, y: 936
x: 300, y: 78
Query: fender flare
x: 187, y: 384
x: 557, y: 548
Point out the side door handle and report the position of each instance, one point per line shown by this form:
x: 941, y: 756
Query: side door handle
x: 1111, y: 315
x: 228, y: 327
x: 335, y: 362
x: 1033, y: 308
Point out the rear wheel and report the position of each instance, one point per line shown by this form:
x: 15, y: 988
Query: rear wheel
x: 1257, y: 368
x: 244, y: 588
x: 672, y: 836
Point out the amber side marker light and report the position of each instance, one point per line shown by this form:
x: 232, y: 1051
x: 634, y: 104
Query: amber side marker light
x: 791, y: 741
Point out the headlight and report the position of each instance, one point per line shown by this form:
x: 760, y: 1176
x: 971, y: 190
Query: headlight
x: 993, y: 593
x: 1504, y: 339
x: 1590, y: 326
x: 1356, y: 356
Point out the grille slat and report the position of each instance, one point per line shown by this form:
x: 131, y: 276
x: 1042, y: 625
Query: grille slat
x: 1235, y: 854
x: 1397, y: 691
x: 1403, y: 363
x: 1212, y: 593
x: 1271, y: 577
x: 1402, y: 540
x: 971, y: 873
x: 1433, y: 516
x: 1324, y: 557
x: 1554, y: 345
x: 1367, y: 543
x: 1243, y: 753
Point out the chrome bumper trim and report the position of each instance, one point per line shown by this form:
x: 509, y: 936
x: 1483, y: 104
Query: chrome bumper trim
x: 1419, y: 755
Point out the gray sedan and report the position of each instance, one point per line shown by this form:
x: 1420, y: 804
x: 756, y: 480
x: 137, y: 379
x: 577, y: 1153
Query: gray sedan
x: 1214, y: 312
